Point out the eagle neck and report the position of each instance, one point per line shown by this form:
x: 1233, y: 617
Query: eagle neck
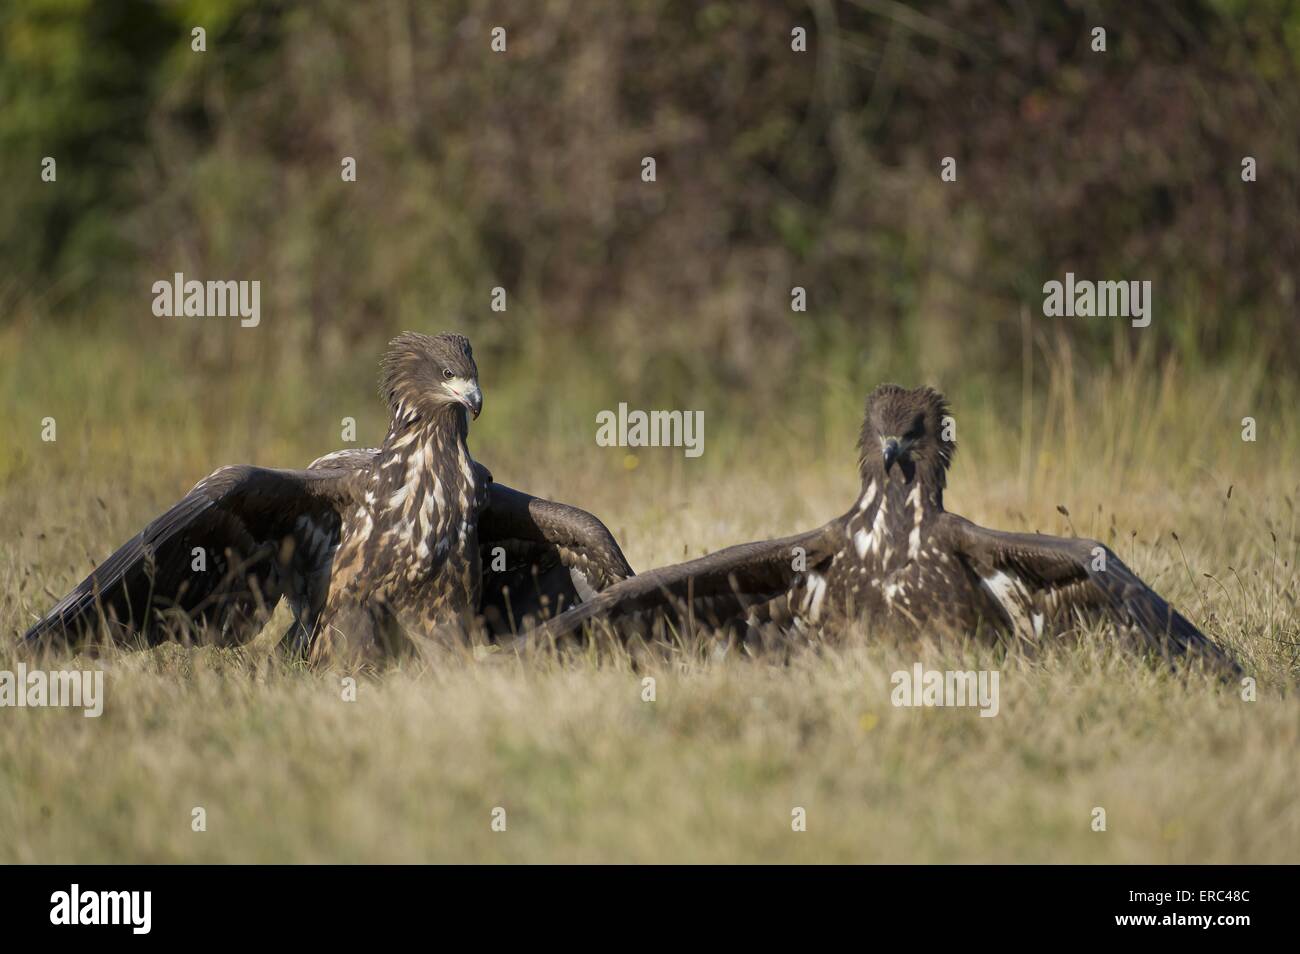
x: 887, y: 525
x: 893, y: 494
x: 425, y: 471
x: 446, y: 429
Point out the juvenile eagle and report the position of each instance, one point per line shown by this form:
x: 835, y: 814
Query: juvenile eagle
x: 364, y: 544
x: 897, y: 555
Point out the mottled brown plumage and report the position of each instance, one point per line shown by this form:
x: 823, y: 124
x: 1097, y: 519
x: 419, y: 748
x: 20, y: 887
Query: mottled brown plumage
x: 538, y: 557
x: 366, y: 545
x: 898, y: 556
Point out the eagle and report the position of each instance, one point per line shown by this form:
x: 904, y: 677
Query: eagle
x: 366, y: 546
x: 898, y: 557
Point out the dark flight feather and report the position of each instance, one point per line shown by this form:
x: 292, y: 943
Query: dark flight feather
x: 757, y: 582
x: 238, y: 519
x: 1061, y: 585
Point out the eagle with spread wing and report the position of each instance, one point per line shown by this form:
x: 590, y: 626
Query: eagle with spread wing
x: 898, y: 555
x: 366, y: 545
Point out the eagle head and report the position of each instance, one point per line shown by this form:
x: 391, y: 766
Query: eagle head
x: 427, y: 374
x: 906, y: 432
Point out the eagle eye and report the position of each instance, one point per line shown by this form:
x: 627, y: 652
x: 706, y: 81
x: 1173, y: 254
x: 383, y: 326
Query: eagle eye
x: 446, y: 373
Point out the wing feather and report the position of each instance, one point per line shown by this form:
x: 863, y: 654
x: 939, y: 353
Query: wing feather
x: 240, y: 518
x: 1043, y: 580
x: 554, y: 556
x: 714, y: 589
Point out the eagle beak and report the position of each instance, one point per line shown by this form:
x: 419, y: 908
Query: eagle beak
x: 473, y: 399
x: 891, y: 453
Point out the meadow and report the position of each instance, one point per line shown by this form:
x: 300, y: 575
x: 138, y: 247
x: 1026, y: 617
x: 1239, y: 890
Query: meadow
x: 1144, y: 454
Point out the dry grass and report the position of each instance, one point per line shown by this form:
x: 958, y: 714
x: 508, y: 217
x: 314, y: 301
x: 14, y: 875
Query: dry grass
x: 709, y: 771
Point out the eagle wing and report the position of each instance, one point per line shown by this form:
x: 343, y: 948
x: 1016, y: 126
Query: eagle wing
x: 539, y: 557
x: 767, y: 580
x: 218, y: 559
x: 1040, y: 580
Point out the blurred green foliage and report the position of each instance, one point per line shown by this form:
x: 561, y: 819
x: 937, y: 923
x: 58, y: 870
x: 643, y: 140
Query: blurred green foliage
x: 775, y: 169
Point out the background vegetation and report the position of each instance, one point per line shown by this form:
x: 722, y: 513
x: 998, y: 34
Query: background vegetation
x: 775, y: 169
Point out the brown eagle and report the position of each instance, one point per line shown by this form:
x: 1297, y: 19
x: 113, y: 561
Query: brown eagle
x: 897, y: 555
x: 411, y: 537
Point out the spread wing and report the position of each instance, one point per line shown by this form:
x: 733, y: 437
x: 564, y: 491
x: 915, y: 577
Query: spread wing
x: 218, y: 559
x: 1040, y: 581
x: 540, y: 557
x: 769, y: 580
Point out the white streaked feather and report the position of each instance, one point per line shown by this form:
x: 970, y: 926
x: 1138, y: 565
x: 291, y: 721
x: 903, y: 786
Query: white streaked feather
x: 582, y: 584
x: 812, y: 604
x: 1011, y: 595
